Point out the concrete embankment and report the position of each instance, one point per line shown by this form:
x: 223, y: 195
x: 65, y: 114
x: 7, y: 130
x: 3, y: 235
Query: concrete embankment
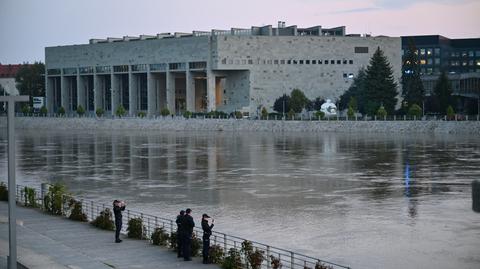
x: 180, y: 124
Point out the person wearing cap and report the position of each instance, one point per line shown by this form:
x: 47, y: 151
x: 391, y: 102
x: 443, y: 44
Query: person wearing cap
x: 118, y: 207
x: 207, y: 232
x: 187, y: 225
x: 180, y: 233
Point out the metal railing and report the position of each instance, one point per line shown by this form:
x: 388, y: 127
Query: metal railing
x: 92, y: 209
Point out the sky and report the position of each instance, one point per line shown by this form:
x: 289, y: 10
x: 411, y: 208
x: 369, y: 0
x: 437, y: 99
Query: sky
x: 28, y: 26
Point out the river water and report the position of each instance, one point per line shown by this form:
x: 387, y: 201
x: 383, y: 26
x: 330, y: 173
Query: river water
x: 363, y: 200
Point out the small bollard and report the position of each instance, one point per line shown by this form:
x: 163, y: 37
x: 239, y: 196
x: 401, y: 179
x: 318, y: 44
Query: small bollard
x: 476, y: 196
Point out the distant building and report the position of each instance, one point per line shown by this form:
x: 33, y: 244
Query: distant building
x: 7, y: 77
x: 225, y: 70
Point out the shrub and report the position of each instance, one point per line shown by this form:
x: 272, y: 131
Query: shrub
x: 30, y: 197
x: 160, y: 237
x: 217, y: 114
x: 61, y: 111
x: 238, y: 114
x: 291, y: 114
x: 450, y: 112
x: 76, y: 212
x: 164, y: 112
x: 43, y: 111
x: 99, y: 112
x: 135, y: 228
x: 26, y: 109
x: 381, y: 112
x: 173, y: 241
x: 141, y: 114
x: 320, y: 115
x: 120, y: 112
x: 80, y: 110
x: 264, y: 113
x: 104, y: 220
x: 216, y: 254
x: 3, y: 192
x: 320, y: 265
x: 55, y: 199
x: 350, y: 112
x: 233, y: 260
x: 196, y: 245
x: 253, y: 257
x: 275, y: 262
x: 187, y: 114
x: 415, y: 110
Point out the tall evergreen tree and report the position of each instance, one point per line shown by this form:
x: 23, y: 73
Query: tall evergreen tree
x: 413, y: 91
x: 380, y: 86
x: 282, y: 104
x: 443, y: 94
x: 355, y: 91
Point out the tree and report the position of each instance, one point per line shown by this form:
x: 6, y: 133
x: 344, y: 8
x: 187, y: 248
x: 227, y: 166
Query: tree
x: 282, y: 101
x: 350, y: 112
x: 315, y: 104
x: 380, y: 86
x: 442, y: 94
x: 355, y: 91
x: 298, y: 100
x: 30, y: 80
x: 413, y: 91
x: 264, y: 113
x: 415, y: 110
x: 381, y: 112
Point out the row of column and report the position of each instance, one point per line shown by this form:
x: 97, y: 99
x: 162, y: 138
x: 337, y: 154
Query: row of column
x: 66, y: 88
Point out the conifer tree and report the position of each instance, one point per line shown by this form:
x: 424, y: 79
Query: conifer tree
x: 413, y: 91
x: 443, y: 94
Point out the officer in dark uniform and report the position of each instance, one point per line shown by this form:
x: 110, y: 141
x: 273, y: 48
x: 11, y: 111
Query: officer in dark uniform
x: 187, y: 230
x: 180, y: 233
x: 118, y: 207
x: 207, y: 232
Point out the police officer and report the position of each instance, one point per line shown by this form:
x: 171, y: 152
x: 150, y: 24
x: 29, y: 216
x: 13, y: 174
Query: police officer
x: 207, y: 232
x: 187, y: 230
x: 180, y: 233
x: 118, y: 207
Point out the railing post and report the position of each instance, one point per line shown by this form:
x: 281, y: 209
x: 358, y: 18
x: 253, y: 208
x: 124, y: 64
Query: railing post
x: 91, y: 209
x: 171, y: 226
x: 156, y: 222
x: 292, y: 259
x: 268, y: 257
x: 225, y: 244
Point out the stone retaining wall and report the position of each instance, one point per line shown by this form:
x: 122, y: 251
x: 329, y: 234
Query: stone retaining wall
x: 180, y: 124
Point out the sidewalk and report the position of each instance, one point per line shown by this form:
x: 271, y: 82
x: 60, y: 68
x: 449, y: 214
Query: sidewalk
x: 46, y: 241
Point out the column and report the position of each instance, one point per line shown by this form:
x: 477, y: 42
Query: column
x: 97, y: 92
x: 49, y: 96
x: 65, y: 92
x: 132, y: 92
x: 81, y: 100
x: 170, y: 76
x: 190, y: 91
x: 151, y: 95
x: 115, y: 93
x: 211, y: 92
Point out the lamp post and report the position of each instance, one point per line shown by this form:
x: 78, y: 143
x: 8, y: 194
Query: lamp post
x: 12, y: 232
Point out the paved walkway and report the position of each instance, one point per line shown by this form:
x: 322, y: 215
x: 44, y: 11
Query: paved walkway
x: 46, y: 241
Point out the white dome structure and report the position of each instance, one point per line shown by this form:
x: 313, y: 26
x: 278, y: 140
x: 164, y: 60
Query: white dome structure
x: 329, y: 108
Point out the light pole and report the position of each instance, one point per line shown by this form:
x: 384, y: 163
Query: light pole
x: 12, y: 231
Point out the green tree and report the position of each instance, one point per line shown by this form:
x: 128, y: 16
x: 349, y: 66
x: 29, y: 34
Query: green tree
x: 120, y: 111
x: 298, y: 100
x: 415, y: 110
x: 30, y: 80
x: 264, y: 113
x: 80, y: 110
x: 413, y: 91
x: 355, y: 91
x: 381, y: 112
x: 282, y: 104
x: 164, y: 112
x: 350, y: 112
x: 442, y: 94
x: 450, y: 112
x: 316, y: 104
x: 380, y: 86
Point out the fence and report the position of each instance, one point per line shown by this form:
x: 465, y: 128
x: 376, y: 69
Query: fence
x: 287, y: 258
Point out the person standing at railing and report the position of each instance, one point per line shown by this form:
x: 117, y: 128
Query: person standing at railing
x: 207, y: 232
x: 187, y: 231
x: 118, y: 207
x: 180, y: 233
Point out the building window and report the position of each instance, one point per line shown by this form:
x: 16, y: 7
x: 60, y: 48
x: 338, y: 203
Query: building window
x: 282, y: 61
x: 470, y: 53
x: 350, y: 61
x: 361, y: 49
x: 429, y: 52
x: 158, y: 67
x: 140, y: 67
x: 102, y: 69
x: 464, y: 54
x: 224, y: 61
x: 464, y: 63
x: 289, y: 61
x: 244, y: 62
x: 69, y: 71
x: 345, y: 75
x: 339, y: 62
x: 250, y: 61
x: 307, y: 61
x: 344, y: 61
x: 437, y: 51
x: 314, y: 61
x: 332, y: 61
x: 172, y: 66
x: 326, y: 61
x: 470, y: 62
x: 423, y: 61
x: 86, y: 70
x: 120, y: 68
x: 230, y: 61
x: 319, y: 61
x: 53, y: 71
x: 197, y: 65
x: 237, y: 62
x: 429, y: 71
x: 437, y: 60
x: 477, y: 53
x: 301, y: 61
x: 478, y: 62
x: 294, y: 61
x: 275, y: 61
x: 422, y: 52
x: 430, y: 61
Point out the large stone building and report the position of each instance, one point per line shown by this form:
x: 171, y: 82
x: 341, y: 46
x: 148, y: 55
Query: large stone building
x: 225, y: 70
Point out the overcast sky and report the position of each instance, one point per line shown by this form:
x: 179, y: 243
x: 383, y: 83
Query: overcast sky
x: 28, y: 26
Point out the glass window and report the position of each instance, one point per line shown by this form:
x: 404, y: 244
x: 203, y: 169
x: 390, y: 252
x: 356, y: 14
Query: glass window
x: 339, y: 62
x: 244, y: 62
x: 437, y: 51
x: 250, y: 61
x: 350, y: 62
x: 282, y: 61
x: 314, y: 61
x: 423, y: 61
x: 289, y: 62
x: 326, y: 61
x: 429, y: 52
x: 464, y: 63
x: 332, y: 61
x: 464, y: 54
x: 478, y: 62
x: 307, y: 61
x: 275, y: 61
x: 437, y: 60
x: 422, y: 51
x: 470, y: 53
x: 429, y: 71
x: 344, y: 61
x: 477, y: 53
x: 319, y: 61
x: 470, y: 62
x: 430, y: 61
x: 301, y: 61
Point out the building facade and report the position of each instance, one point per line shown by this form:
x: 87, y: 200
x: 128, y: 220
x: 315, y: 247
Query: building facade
x: 224, y: 70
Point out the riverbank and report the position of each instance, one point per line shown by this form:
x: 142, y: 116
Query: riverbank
x: 232, y: 125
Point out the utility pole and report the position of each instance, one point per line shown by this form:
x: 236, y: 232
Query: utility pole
x: 12, y: 221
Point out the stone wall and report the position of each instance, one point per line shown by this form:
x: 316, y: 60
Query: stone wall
x: 231, y: 125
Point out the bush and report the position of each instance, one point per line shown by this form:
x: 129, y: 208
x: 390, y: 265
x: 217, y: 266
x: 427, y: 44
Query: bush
x: 76, y: 212
x: 120, y: 112
x: 26, y: 109
x: 291, y: 114
x: 196, y: 245
x: 450, y: 113
x: 320, y: 265
x: 216, y: 254
x: 164, y: 112
x: 30, y: 197
x: 275, y: 262
x: 104, y: 220
x: 43, y: 111
x: 99, y: 112
x: 55, y: 199
x: 3, y: 192
x: 415, y: 110
x: 61, y: 111
x: 135, y: 229
x: 264, y: 113
x: 160, y: 237
x: 141, y: 114
x: 187, y: 114
x: 80, y: 110
x: 238, y: 114
x: 233, y: 260
x: 320, y: 115
x: 350, y: 112
x: 217, y: 114
x: 173, y: 241
x: 381, y: 112
x: 253, y: 257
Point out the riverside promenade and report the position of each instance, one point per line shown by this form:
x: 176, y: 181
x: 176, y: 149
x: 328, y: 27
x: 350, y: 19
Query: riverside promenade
x: 46, y: 241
